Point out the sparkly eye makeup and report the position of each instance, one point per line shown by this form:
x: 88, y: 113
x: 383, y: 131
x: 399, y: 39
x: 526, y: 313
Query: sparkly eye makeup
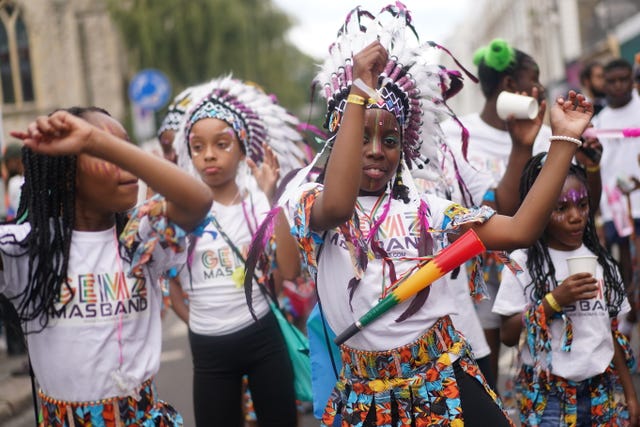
x: 381, y: 124
x: 573, y: 196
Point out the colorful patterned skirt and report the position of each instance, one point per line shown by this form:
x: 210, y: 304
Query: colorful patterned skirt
x: 413, y: 385
x: 605, y: 392
x: 113, y: 412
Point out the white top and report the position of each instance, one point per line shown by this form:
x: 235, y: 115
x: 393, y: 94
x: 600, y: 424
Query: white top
x: 592, y: 348
x: 466, y: 320
x: 217, y: 303
x: 399, y: 235
x: 619, y: 155
x: 489, y: 148
x: 75, y: 356
x: 14, y: 188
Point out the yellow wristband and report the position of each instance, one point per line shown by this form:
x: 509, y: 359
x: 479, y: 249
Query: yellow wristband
x: 355, y: 99
x: 553, y: 303
x: 593, y: 169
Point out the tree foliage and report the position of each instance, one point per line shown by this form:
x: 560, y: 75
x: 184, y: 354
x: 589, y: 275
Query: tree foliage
x: 195, y: 40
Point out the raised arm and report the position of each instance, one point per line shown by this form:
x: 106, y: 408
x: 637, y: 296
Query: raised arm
x: 589, y: 156
x: 569, y: 118
x: 188, y: 198
x: 523, y: 135
x: 336, y: 203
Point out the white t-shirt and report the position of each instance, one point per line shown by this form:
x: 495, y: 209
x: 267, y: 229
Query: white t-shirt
x: 592, y: 348
x: 489, y: 148
x: 399, y: 235
x: 466, y: 320
x: 217, y: 303
x: 14, y: 188
x: 619, y: 155
x: 75, y: 356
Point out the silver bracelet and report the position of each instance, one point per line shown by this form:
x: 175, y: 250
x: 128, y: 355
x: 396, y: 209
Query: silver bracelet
x: 565, y: 138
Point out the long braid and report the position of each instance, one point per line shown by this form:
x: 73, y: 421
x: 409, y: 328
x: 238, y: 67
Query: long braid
x: 539, y: 264
x: 47, y: 203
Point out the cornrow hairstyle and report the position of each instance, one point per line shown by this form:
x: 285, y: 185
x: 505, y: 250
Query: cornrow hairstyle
x: 497, y: 61
x: 539, y: 264
x: 47, y: 203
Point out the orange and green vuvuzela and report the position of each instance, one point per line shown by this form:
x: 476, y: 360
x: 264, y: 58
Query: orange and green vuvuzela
x: 464, y: 248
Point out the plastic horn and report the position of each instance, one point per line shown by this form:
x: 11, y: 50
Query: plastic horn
x: 611, y: 133
x: 466, y: 247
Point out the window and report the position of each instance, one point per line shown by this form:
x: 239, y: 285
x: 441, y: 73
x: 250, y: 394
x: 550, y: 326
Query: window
x: 15, y: 61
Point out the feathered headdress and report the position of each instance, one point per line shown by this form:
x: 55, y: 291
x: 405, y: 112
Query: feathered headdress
x: 255, y: 117
x: 413, y: 87
x: 176, y: 111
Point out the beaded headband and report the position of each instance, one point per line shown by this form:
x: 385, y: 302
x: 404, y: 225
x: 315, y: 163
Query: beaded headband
x: 176, y: 111
x: 213, y: 108
x: 413, y: 88
x: 255, y: 117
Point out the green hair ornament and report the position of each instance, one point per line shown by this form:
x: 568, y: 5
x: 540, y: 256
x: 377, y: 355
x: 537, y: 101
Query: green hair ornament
x: 497, y: 55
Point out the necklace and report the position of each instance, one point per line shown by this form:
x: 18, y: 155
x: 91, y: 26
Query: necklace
x: 127, y: 383
x: 371, y: 218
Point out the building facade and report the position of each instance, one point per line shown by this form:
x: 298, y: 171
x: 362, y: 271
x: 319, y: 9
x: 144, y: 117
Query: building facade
x: 561, y: 35
x: 56, y: 54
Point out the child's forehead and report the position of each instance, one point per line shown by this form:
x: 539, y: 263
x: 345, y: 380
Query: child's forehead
x: 573, y: 190
x: 380, y: 117
x: 107, y: 124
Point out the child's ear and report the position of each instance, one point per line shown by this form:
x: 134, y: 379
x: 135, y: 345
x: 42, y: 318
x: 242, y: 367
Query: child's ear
x: 508, y: 83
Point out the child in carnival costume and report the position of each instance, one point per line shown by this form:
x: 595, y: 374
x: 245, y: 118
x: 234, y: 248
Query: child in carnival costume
x: 372, y: 227
x: 83, y: 272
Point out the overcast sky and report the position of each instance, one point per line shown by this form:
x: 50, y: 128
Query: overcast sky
x: 318, y: 20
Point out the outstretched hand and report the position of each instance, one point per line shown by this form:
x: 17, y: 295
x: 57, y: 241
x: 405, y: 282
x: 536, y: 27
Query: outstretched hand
x: 267, y: 173
x: 59, y: 134
x: 571, y: 116
x: 525, y: 131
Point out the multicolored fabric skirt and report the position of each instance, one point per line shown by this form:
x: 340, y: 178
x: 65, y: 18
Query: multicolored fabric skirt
x: 606, y: 393
x: 112, y: 412
x: 413, y: 385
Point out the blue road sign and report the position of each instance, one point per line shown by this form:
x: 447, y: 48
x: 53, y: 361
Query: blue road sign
x: 150, y: 89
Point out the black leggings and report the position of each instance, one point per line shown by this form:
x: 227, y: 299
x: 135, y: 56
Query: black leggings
x: 478, y: 409
x: 219, y: 362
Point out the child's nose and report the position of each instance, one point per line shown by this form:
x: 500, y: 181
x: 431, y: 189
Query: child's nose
x: 209, y: 151
x: 375, y: 147
x: 575, y: 214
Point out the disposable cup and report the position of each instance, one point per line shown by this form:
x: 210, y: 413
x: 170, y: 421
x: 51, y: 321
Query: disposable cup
x: 582, y: 264
x: 518, y: 106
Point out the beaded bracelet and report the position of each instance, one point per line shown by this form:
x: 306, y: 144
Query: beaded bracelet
x: 553, y: 303
x: 565, y: 138
x: 355, y: 99
x: 593, y: 169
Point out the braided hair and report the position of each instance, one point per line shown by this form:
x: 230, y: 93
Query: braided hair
x: 47, y: 203
x: 539, y: 263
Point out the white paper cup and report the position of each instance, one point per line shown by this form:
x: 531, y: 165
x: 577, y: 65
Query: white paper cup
x: 520, y: 106
x: 582, y: 264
